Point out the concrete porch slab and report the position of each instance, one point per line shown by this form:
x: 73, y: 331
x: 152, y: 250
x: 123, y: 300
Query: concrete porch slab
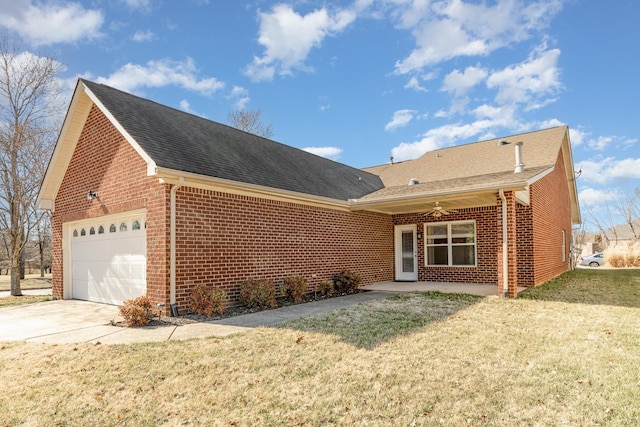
x: 445, y: 287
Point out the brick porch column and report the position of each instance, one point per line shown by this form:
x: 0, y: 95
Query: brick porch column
x: 512, y: 253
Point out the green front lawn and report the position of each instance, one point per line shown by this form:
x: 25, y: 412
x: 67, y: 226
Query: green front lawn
x: 556, y: 356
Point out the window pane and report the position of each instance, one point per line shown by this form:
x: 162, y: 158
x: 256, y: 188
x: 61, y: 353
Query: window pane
x: 135, y: 225
x: 438, y: 241
x: 465, y: 228
x: 437, y: 230
x: 112, y: 228
x: 462, y: 239
x: 123, y: 226
x: 75, y: 233
x: 83, y: 233
x: 437, y: 255
x: 101, y: 230
x: 463, y: 255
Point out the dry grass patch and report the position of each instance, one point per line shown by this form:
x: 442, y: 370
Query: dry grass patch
x: 25, y: 299
x: 592, y: 286
x: 423, y: 359
x: 31, y: 281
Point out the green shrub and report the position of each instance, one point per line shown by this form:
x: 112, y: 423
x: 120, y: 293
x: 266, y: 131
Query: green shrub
x: 137, y: 311
x: 347, y: 281
x: 294, y: 287
x: 207, y: 300
x: 258, y: 293
x: 325, y: 288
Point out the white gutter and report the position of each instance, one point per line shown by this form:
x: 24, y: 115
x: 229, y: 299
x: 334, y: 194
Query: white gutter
x: 505, y: 255
x: 172, y: 243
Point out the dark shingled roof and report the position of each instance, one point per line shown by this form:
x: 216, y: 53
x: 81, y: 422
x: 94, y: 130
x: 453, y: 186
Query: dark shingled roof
x: 184, y: 142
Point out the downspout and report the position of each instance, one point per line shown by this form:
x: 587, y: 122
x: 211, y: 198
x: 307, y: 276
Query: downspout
x: 172, y: 247
x: 505, y: 255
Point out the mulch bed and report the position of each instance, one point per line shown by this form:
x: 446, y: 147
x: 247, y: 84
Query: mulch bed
x: 187, y: 318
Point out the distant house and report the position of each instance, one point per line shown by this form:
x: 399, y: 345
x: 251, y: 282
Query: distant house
x: 150, y: 200
x: 624, y: 234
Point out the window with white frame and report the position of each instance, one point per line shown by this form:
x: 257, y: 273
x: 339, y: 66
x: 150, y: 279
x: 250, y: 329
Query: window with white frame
x: 450, y: 244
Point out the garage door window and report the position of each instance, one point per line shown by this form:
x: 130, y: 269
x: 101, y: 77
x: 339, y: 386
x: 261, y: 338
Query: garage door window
x: 108, y: 259
x: 135, y: 225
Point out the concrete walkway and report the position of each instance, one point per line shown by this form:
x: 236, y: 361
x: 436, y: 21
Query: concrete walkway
x: 74, y: 321
x: 445, y: 287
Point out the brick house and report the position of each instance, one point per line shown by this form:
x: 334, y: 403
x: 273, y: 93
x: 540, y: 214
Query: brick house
x: 150, y: 200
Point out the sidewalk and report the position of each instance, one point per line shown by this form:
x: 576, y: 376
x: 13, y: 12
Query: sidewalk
x: 44, y: 291
x: 73, y: 321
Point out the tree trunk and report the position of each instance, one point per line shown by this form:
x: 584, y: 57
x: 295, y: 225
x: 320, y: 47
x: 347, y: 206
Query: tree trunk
x: 41, y: 245
x: 23, y: 264
x: 15, y: 276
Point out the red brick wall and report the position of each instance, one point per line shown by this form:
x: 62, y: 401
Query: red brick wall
x: 488, y: 242
x: 105, y: 162
x: 551, y: 213
x: 225, y: 239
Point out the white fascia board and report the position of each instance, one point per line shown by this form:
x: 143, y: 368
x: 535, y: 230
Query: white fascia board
x: 172, y: 176
x: 518, y: 186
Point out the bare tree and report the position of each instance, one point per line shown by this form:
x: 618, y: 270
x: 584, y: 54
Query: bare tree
x: 250, y: 121
x: 605, y: 225
x: 628, y: 208
x: 29, y: 116
x: 43, y: 239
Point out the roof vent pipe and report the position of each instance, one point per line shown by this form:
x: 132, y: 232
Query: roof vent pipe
x: 519, y: 165
x: 414, y: 181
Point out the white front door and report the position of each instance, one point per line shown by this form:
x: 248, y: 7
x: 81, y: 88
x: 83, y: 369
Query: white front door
x: 406, y: 253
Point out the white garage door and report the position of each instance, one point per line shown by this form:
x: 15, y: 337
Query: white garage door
x: 108, y: 259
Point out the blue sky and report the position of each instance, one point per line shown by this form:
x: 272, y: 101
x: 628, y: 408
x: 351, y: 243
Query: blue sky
x: 360, y: 81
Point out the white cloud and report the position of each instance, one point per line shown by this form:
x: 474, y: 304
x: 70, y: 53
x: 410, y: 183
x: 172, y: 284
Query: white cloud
x: 45, y: 23
x: 138, y: 4
x: 288, y: 37
x: 143, y: 36
x: 415, y: 82
x: 332, y: 153
x: 600, y: 143
x: 459, y: 83
x: 577, y: 136
x: 534, y: 78
x: 446, y: 29
x: 609, y: 169
x: 400, y: 118
x: 592, y: 197
x: 185, y: 106
x: 240, y: 96
x: 159, y: 73
x: 440, y: 137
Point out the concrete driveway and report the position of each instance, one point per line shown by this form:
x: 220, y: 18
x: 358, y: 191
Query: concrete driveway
x: 73, y: 321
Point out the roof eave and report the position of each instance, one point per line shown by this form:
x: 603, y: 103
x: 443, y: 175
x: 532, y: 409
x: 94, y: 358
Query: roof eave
x: 384, y: 204
x: 171, y: 176
x: 81, y: 103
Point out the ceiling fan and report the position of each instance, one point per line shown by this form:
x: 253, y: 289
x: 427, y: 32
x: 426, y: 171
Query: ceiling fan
x: 437, y: 211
